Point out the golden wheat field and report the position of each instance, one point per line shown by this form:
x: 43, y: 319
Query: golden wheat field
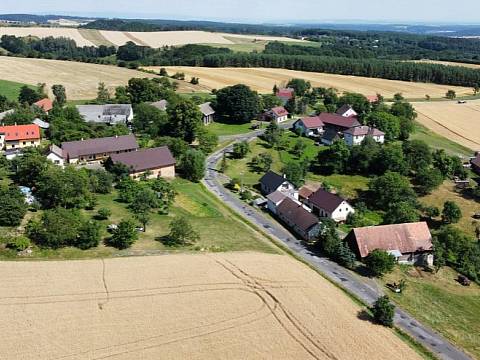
x: 457, y: 122
x: 263, y: 80
x: 80, y: 79
x: 235, y: 306
x: 450, y: 63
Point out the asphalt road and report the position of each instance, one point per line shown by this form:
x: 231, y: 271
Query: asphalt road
x: 362, y: 288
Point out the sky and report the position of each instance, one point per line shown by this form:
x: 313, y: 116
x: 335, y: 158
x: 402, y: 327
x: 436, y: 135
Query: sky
x: 261, y: 11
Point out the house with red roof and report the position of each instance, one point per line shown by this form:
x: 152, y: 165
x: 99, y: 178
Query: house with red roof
x: 44, y: 104
x: 278, y: 114
x: 285, y: 94
x: 355, y: 135
x: 338, y: 122
x: 309, y: 126
x: 19, y: 136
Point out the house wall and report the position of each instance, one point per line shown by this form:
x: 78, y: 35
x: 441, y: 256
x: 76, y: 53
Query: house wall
x: 207, y: 119
x: 280, y: 119
x: 57, y: 160
x: 20, y: 144
x: 349, y: 113
x: 307, y: 132
x: 167, y: 172
x: 338, y: 215
x: 96, y: 157
x: 272, y: 207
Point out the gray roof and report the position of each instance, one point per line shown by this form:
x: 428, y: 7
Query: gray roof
x: 96, y: 113
x: 145, y: 159
x: 276, y: 197
x: 40, y: 123
x: 74, y: 149
x: 56, y: 150
x: 330, y: 135
x: 206, y: 109
x: 5, y: 113
x: 160, y: 105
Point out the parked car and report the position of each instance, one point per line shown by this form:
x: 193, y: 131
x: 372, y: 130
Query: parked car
x: 461, y: 102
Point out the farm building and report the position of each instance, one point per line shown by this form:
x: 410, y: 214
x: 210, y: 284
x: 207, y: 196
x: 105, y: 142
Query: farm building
x: 338, y: 122
x: 355, y: 135
x: 111, y: 114
x: 92, y: 150
x: 19, y: 136
x: 330, y: 136
x: 207, y: 112
x: 271, y: 182
x: 44, y: 104
x: 309, y: 126
x: 326, y: 204
x: 409, y: 243
x: 300, y: 220
x: 153, y: 163
x: 285, y: 94
x: 346, y: 111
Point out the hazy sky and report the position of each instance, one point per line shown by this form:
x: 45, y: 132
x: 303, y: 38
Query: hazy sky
x: 458, y: 11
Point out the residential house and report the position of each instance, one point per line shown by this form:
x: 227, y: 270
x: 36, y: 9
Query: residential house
x: 306, y: 191
x: 326, y: 204
x: 93, y: 150
x: 271, y: 182
x: 346, y: 111
x: 409, y: 243
x: 207, y: 112
x: 275, y: 199
x: 372, y: 99
x: 475, y: 163
x: 111, y: 114
x: 330, y: 136
x: 285, y: 94
x: 355, y: 135
x: 55, y: 155
x: 19, y: 136
x: 44, y: 104
x: 160, y: 105
x: 300, y: 220
x: 277, y: 114
x: 151, y: 163
x: 309, y: 126
x: 338, y: 122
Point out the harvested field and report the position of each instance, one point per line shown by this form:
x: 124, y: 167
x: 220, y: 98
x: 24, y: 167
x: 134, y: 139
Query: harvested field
x: 263, y: 79
x: 42, y: 32
x: 80, y: 79
x: 236, y: 306
x: 450, y: 63
x: 457, y: 122
x: 95, y: 37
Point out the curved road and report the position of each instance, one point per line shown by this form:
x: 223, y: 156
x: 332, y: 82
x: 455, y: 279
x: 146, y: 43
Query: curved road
x: 363, y: 289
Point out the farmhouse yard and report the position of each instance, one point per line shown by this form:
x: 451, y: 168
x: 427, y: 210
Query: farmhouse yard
x: 243, y: 305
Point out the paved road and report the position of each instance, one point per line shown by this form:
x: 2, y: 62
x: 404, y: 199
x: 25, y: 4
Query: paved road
x: 362, y: 288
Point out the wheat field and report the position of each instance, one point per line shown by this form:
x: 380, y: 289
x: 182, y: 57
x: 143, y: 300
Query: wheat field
x: 219, y: 306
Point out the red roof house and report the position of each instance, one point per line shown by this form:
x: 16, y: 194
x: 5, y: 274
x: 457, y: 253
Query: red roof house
x: 18, y: 136
x: 338, y: 122
x: 285, y: 94
x: 44, y: 104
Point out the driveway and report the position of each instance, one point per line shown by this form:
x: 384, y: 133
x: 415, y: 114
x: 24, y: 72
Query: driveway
x: 364, y: 289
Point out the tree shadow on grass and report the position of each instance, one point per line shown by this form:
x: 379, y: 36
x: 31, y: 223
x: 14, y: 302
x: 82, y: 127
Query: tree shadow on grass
x: 365, y: 316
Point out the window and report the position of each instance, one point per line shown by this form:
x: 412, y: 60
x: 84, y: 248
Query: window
x: 24, y: 143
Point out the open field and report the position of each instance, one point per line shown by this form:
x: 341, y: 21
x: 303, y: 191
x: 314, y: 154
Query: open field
x: 80, y: 79
x: 235, y: 306
x: 10, y: 89
x: 437, y: 141
x: 263, y: 80
x: 457, y: 122
x: 450, y: 63
x: 43, y: 32
x: 439, y: 301
x: 95, y: 37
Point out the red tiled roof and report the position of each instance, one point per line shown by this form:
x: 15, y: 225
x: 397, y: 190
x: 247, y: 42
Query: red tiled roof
x: 312, y: 122
x: 20, y: 132
x: 285, y: 93
x: 406, y: 238
x: 372, y: 98
x: 45, y: 104
x: 339, y: 120
x: 279, y: 111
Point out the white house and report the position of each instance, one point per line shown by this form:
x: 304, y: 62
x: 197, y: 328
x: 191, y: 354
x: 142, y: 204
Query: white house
x: 355, y: 135
x: 346, y: 111
x: 326, y: 204
x: 207, y: 112
x: 273, y: 200
x: 278, y: 114
x: 271, y: 182
x: 309, y: 126
x: 55, y: 155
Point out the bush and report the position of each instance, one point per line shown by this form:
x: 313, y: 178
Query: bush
x: 379, y: 262
x: 383, y: 311
x: 181, y: 233
x: 124, y: 235
x: 103, y: 213
x: 19, y: 243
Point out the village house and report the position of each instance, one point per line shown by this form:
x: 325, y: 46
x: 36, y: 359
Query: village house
x: 111, y: 114
x: 160, y: 105
x: 338, y: 122
x: 330, y: 136
x: 355, y: 135
x: 306, y: 191
x: 271, y: 182
x: 475, y: 163
x: 44, y: 104
x: 285, y: 94
x: 346, y: 111
x: 19, y: 136
x: 409, y: 243
x: 207, y: 112
x: 91, y: 150
x: 151, y: 163
x: 309, y: 126
x: 277, y: 114
x: 372, y: 99
x: 328, y: 205
x: 300, y: 220
x: 275, y: 199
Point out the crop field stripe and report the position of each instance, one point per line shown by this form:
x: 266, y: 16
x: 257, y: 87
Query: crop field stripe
x: 95, y: 37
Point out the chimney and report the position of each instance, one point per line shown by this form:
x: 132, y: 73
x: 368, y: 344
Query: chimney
x: 81, y: 139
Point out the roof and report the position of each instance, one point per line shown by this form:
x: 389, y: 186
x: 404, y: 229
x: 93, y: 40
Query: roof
x: 206, y: 109
x: 330, y: 135
x: 406, y: 238
x: 160, y: 105
x: 145, y: 159
x: 96, y: 113
x: 45, y: 104
x: 339, y: 120
x: 476, y: 161
x: 372, y: 98
x: 279, y: 111
x: 325, y: 200
x: 307, y: 190
x: 74, y: 149
x: 364, y: 131
x: 20, y: 132
x: 5, y: 113
x: 296, y: 214
x: 272, y: 180
x: 343, y: 109
x: 42, y: 124
x: 54, y: 149
x: 276, y: 197
x: 285, y: 93
x: 312, y: 122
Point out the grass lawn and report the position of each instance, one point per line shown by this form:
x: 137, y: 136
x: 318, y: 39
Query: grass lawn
x: 439, y: 142
x: 348, y: 186
x: 219, y: 228
x: 222, y: 129
x: 440, y: 302
x: 11, y: 89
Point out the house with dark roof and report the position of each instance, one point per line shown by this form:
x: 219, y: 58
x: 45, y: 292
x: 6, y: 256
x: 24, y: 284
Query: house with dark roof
x: 208, y: 113
x: 300, y: 220
x: 285, y: 94
x: 111, y: 114
x: 271, y: 182
x: 338, y: 122
x: 93, y: 150
x: 475, y: 163
x: 19, y: 136
x: 355, y: 135
x: 309, y: 126
x: 328, y: 205
x: 346, y: 111
x: 150, y: 163
x: 410, y: 243
x: 330, y: 136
